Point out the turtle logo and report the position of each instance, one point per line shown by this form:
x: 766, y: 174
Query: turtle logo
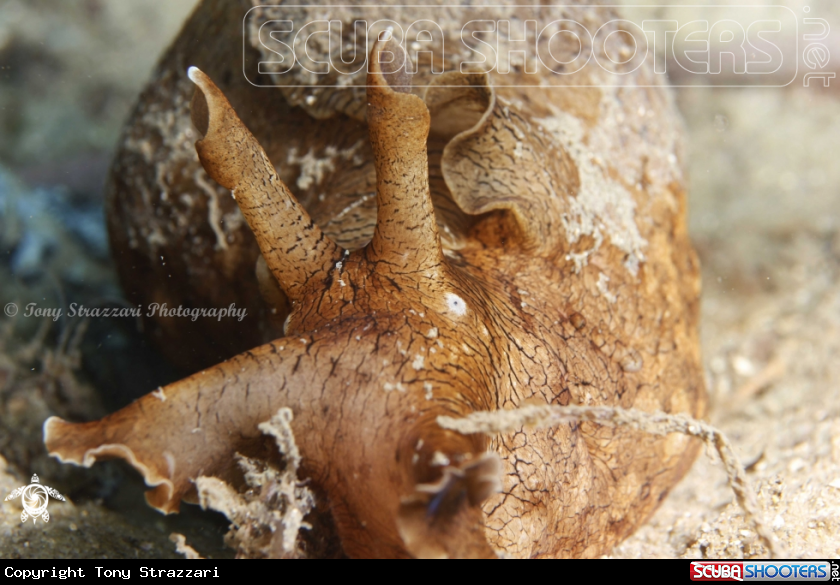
x: 35, y: 499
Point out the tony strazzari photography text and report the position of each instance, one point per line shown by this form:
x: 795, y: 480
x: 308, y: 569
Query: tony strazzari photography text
x: 154, y: 309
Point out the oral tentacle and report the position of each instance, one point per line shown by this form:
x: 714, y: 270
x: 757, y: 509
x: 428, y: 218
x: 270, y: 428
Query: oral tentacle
x: 195, y: 426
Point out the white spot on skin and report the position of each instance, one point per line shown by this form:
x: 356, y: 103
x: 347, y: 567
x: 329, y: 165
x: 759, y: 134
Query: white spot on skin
x: 439, y: 459
x: 456, y: 304
x: 170, y: 462
x: 632, y: 362
x: 603, y: 279
x: 350, y: 208
x: 427, y: 388
x: 418, y: 362
x: 398, y: 387
x: 159, y: 394
x: 743, y: 366
x: 432, y: 333
x: 156, y: 238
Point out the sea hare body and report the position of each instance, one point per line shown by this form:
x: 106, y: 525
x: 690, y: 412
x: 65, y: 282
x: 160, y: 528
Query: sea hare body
x: 435, y: 246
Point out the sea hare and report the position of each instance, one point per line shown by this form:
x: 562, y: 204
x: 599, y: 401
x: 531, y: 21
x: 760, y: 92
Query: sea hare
x: 431, y: 246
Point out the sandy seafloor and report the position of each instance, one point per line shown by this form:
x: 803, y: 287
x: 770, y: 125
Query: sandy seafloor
x: 764, y: 216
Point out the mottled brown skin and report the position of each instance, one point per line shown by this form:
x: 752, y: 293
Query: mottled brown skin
x: 456, y: 292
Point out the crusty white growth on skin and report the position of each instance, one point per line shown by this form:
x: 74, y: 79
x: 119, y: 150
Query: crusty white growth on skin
x: 266, y: 520
x: 174, y: 131
x: 279, y: 428
x: 182, y: 548
x: 602, y: 207
x: 657, y: 423
x: 603, y: 287
x: 313, y: 168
